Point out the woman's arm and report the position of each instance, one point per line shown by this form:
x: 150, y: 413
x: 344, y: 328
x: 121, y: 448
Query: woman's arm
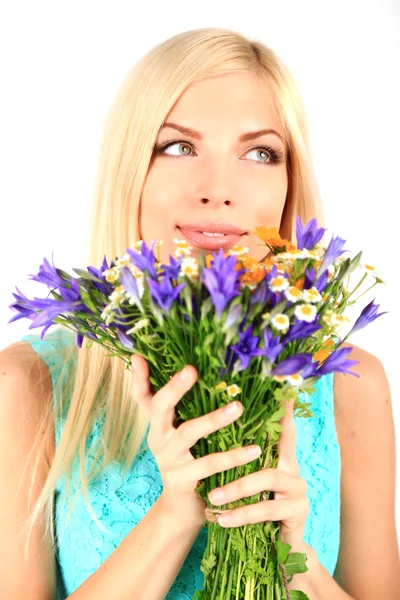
x: 368, y: 566
x: 145, y: 564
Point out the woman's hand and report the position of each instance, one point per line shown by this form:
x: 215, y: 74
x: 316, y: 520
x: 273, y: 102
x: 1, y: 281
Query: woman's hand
x: 290, y: 505
x: 180, y: 471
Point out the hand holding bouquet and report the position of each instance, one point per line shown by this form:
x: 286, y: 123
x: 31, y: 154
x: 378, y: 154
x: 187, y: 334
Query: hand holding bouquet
x: 262, y: 332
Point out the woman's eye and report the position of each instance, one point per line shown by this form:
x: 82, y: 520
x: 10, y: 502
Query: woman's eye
x: 170, y: 145
x: 263, y: 153
x: 266, y: 155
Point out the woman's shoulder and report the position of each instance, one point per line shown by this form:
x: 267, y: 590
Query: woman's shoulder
x: 26, y: 383
x: 356, y: 396
x: 35, y: 364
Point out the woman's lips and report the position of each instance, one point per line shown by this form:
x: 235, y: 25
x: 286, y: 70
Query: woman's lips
x: 210, y: 242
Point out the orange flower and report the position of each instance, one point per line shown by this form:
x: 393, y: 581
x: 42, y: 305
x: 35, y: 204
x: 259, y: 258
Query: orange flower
x: 325, y: 351
x: 272, y: 237
x: 255, y: 271
x: 299, y: 284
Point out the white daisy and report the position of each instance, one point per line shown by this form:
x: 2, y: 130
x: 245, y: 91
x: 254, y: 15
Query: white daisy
x: 312, y: 295
x: 295, y: 379
x: 278, y: 284
x: 293, y: 294
x: 182, y: 248
x: 305, y: 312
x: 238, y: 251
x: 280, y: 321
x: 190, y: 268
x: 233, y: 390
x: 139, y: 325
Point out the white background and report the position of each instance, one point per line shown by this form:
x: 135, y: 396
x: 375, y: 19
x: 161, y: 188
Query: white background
x: 61, y: 66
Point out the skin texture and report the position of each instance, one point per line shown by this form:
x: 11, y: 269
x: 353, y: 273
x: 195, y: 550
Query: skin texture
x: 217, y: 178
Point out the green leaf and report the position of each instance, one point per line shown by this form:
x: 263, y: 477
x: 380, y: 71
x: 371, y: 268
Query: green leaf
x: 238, y: 544
x: 85, y: 275
x: 296, y: 563
x: 283, y: 550
x: 87, y: 300
x: 278, y: 414
x: 207, y: 564
x: 206, y: 307
x: 208, y: 340
x: 298, y: 595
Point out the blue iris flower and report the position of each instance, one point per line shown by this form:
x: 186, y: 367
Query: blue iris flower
x: 309, y: 235
x: 222, y: 280
x: 246, y: 348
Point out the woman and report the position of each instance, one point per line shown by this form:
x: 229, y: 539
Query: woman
x: 142, y: 534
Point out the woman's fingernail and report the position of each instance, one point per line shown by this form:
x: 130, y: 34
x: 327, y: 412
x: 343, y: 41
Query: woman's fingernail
x: 225, y: 519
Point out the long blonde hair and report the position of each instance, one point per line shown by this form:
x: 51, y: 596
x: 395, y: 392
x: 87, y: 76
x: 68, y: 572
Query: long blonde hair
x: 99, y: 386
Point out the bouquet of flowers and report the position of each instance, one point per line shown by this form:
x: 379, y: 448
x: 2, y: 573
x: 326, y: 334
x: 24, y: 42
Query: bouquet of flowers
x: 263, y: 330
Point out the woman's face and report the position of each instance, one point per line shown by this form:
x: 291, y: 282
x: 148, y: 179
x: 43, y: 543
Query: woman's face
x: 210, y: 174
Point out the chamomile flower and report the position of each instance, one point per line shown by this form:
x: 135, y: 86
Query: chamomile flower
x: 250, y: 285
x: 338, y: 320
x: 107, y: 314
x: 298, y: 254
x: 190, y: 268
x: 123, y: 261
x: 280, y: 321
x: 305, y: 312
x: 238, y: 251
x: 111, y: 275
x: 139, y: 325
x: 331, y: 272
x: 138, y: 245
x: 118, y: 295
x: 312, y: 295
x: 182, y: 248
x: 280, y: 378
x: 278, y: 284
x: 371, y: 270
x: 295, y: 379
x: 293, y: 294
x: 221, y: 385
x: 233, y: 390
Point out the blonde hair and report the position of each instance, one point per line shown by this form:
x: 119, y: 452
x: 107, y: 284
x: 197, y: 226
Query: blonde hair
x: 99, y: 387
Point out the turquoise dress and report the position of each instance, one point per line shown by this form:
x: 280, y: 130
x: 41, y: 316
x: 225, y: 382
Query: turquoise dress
x: 120, y: 503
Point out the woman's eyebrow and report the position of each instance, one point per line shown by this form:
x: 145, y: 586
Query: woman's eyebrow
x: 245, y: 137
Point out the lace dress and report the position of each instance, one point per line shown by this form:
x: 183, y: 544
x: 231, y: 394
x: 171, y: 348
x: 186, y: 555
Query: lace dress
x: 121, y: 502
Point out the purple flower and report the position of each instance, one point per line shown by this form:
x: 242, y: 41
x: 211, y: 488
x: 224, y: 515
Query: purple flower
x: 125, y: 340
x: 49, y: 275
x: 172, y: 270
x: 309, y: 235
x: 164, y: 293
x: 293, y: 364
x: 50, y: 307
x: 129, y: 282
x: 310, y: 281
x: 246, y: 348
x: 300, y: 329
x: 272, y: 346
x: 145, y: 259
x: 336, y: 362
x: 105, y: 287
x: 333, y: 251
x: 367, y: 315
x: 222, y: 280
